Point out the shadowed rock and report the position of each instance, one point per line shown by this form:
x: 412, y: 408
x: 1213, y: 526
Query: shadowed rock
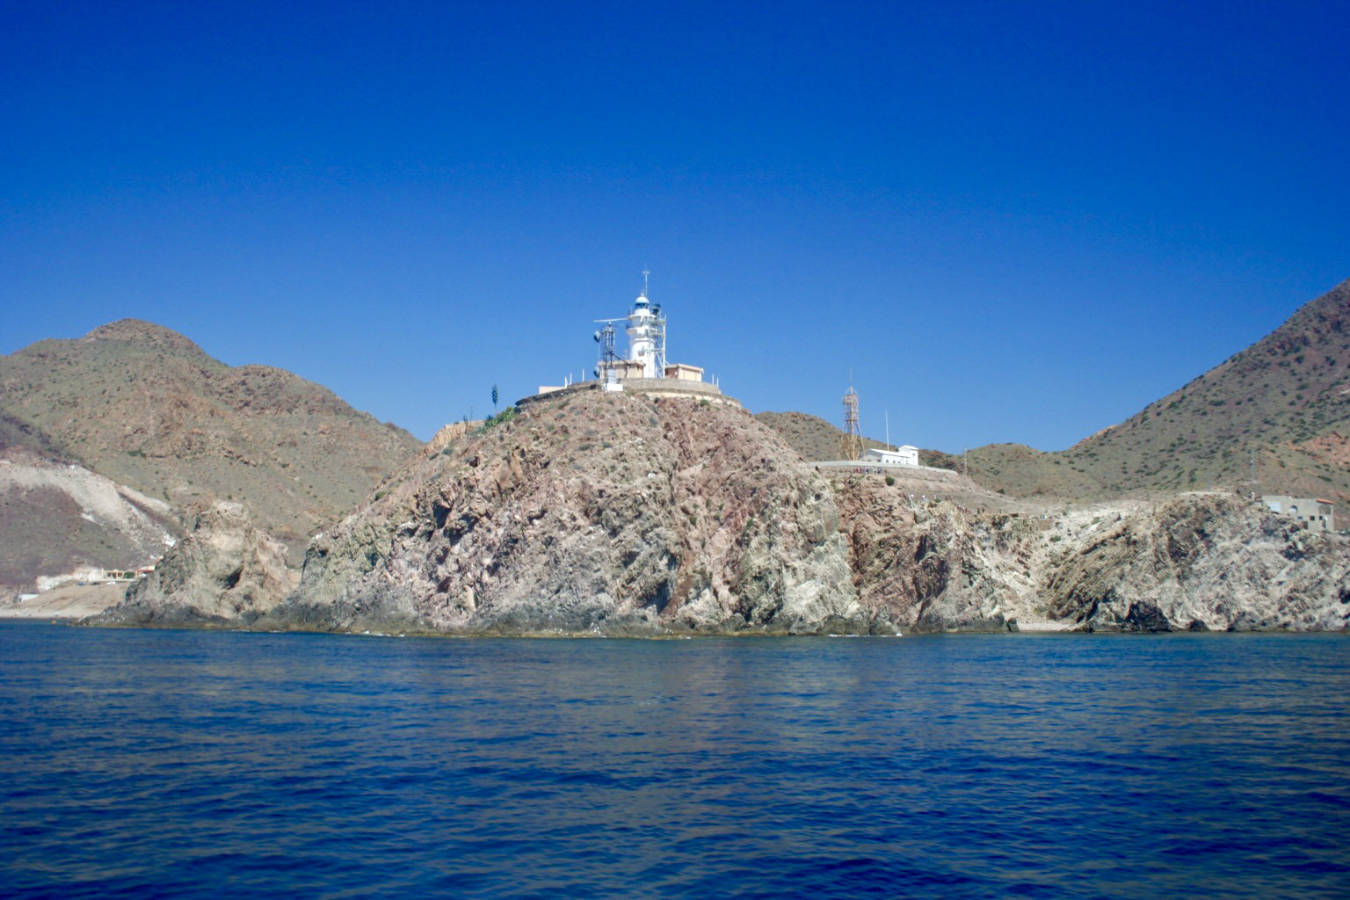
x: 226, y: 571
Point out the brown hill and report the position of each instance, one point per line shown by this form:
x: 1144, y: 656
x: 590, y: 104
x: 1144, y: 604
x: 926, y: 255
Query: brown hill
x: 816, y: 439
x: 1283, y: 403
x: 146, y: 407
x: 1281, y: 408
x: 59, y: 518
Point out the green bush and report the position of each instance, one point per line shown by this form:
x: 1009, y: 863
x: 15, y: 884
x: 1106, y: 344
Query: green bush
x: 505, y: 415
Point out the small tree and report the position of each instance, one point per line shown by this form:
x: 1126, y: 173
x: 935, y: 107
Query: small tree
x: 494, y: 397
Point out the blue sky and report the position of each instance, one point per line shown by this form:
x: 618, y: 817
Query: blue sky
x: 1010, y: 222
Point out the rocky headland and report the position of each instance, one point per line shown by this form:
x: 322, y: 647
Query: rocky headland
x: 629, y: 514
x: 591, y: 513
x: 632, y: 513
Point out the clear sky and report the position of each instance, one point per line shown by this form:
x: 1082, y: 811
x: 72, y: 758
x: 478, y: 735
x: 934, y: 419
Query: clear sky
x: 1010, y: 222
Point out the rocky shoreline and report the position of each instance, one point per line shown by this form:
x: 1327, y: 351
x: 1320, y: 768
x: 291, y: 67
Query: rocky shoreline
x: 633, y: 515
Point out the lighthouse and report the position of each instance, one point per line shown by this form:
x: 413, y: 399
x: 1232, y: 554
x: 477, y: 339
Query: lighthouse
x: 647, y: 335
x: 645, y: 366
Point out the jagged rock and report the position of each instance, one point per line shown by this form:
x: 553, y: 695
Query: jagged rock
x: 225, y: 571
x: 1144, y: 616
x: 450, y: 433
x: 590, y: 512
x: 1203, y: 562
x: 922, y: 567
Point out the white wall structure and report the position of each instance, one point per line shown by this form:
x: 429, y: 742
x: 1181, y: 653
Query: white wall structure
x: 1315, y: 511
x: 902, y: 456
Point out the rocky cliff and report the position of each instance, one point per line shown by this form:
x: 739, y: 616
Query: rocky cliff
x: 1198, y: 561
x: 595, y: 513
x: 1202, y: 562
x: 931, y: 565
x: 591, y: 513
x: 226, y: 571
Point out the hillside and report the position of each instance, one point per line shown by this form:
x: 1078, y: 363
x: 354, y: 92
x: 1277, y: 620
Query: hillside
x: 1280, y: 408
x: 57, y: 518
x: 147, y: 408
x: 1283, y: 403
x: 816, y: 439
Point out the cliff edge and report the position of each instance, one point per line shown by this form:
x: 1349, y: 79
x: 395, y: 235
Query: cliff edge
x: 593, y: 513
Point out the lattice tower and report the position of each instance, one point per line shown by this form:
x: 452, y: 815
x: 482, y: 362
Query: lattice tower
x: 850, y: 442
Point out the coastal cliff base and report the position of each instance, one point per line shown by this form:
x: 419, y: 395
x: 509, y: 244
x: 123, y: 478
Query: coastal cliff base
x: 630, y: 514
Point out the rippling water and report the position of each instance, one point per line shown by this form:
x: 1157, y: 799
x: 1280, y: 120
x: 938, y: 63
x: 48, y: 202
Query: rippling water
x: 198, y: 763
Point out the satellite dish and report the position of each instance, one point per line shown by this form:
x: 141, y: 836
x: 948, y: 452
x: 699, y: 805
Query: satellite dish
x: 595, y: 372
x: 597, y: 337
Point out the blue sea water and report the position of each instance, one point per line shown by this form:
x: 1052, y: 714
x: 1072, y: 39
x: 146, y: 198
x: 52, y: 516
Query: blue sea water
x: 180, y: 763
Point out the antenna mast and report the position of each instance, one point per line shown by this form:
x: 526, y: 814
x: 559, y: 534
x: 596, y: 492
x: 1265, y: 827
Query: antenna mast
x: 850, y: 443
x: 607, y: 371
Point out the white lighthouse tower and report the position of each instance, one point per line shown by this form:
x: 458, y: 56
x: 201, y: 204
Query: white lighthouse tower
x: 647, y: 335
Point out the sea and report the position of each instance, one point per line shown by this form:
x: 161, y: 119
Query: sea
x: 160, y: 763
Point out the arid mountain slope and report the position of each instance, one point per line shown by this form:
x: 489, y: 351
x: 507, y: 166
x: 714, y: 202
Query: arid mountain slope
x: 58, y: 518
x: 1284, y: 402
x: 811, y: 436
x: 1280, y: 407
x: 22, y: 438
x: 146, y: 407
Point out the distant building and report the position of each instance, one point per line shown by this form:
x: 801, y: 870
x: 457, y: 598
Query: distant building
x: 1315, y: 511
x: 902, y: 456
x: 684, y: 372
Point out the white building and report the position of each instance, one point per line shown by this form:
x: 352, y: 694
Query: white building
x: 905, y: 455
x: 1316, y: 512
x: 684, y: 372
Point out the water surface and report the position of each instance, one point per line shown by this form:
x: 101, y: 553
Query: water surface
x: 184, y: 763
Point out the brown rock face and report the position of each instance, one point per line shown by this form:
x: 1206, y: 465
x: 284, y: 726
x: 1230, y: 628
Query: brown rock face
x: 934, y: 566
x: 448, y: 434
x: 591, y: 512
x: 226, y: 571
